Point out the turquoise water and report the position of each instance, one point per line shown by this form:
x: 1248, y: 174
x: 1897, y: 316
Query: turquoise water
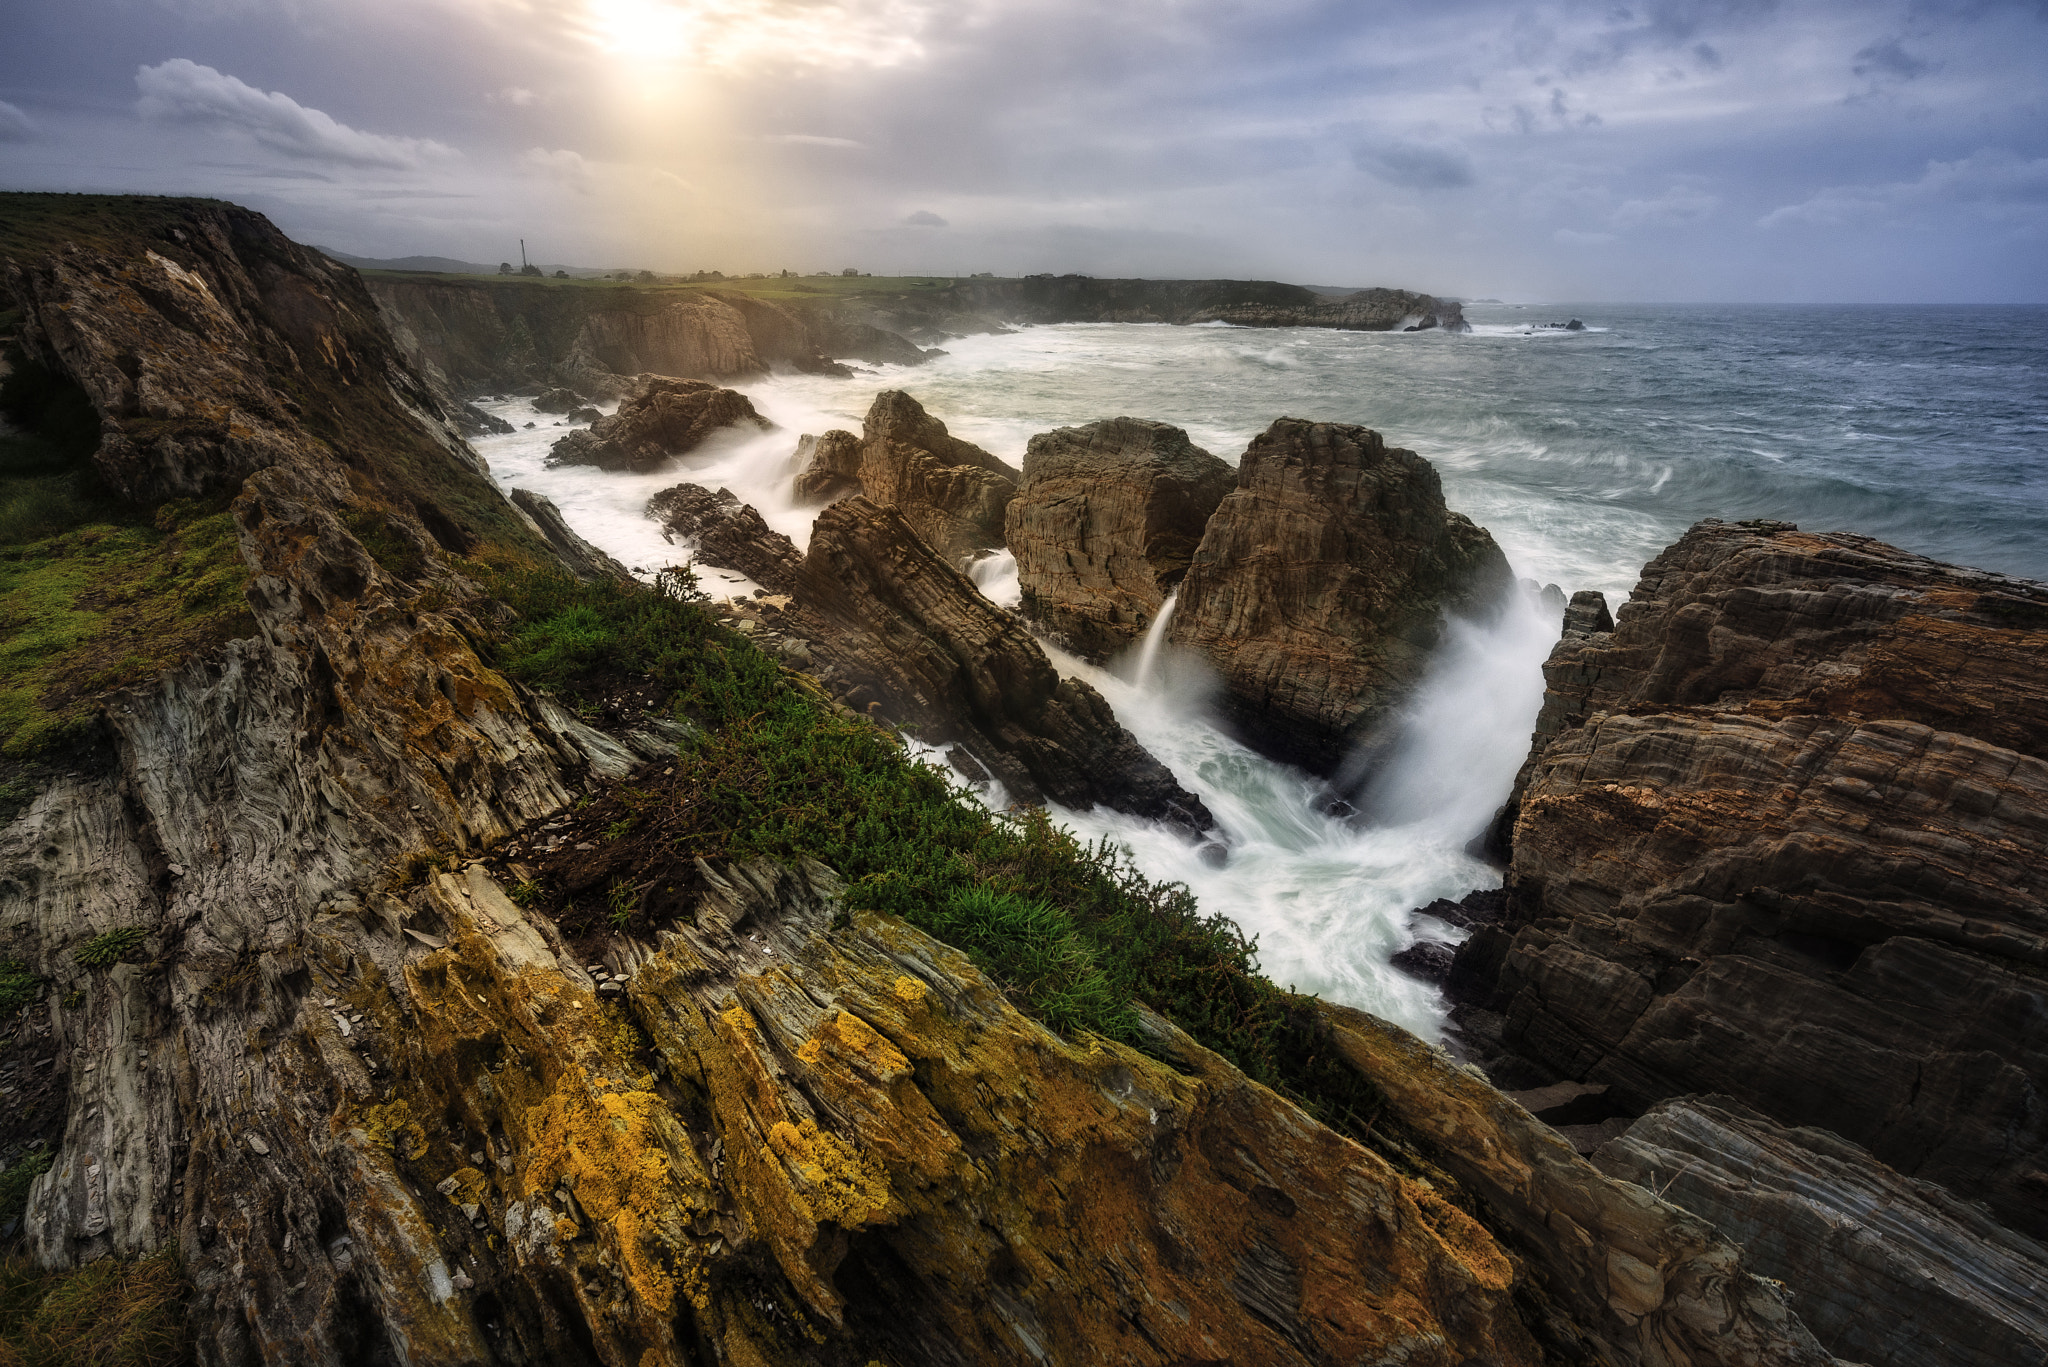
x: 1583, y: 453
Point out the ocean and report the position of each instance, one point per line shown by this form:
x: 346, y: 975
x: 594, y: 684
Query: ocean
x: 1583, y: 452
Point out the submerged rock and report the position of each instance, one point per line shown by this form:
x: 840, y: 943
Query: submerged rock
x: 1321, y: 585
x: 894, y: 625
x: 1888, y: 1269
x: 951, y: 492
x: 666, y: 419
x: 1105, y: 524
x: 728, y: 533
x: 1783, y: 836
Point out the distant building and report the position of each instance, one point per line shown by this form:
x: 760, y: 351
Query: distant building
x: 850, y: 271
x: 561, y: 275
x: 504, y: 268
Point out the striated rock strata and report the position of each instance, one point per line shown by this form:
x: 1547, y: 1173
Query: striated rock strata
x: 894, y: 626
x: 666, y: 419
x: 1321, y: 585
x: 584, y: 560
x: 1888, y: 1269
x: 1783, y: 836
x: 828, y: 467
x: 951, y: 492
x: 728, y: 533
x: 1105, y: 523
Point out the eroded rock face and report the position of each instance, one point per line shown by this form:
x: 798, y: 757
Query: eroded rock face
x: 893, y: 625
x: 1623, y: 1275
x: 727, y: 532
x: 584, y: 560
x: 664, y: 420
x: 828, y: 467
x: 951, y: 492
x: 1784, y: 837
x: 1321, y: 585
x: 1105, y: 524
x: 1887, y: 1269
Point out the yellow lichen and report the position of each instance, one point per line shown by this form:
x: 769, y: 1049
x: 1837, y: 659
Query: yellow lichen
x: 857, y: 1038
x: 471, y: 1187
x: 840, y: 1184
x: 1463, y: 1237
x: 736, y: 1017
x: 908, y: 989
x: 392, y: 1126
x: 810, y: 1051
x: 566, y: 1229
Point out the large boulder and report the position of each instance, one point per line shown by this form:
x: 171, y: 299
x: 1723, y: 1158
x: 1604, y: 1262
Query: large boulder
x: 666, y: 419
x: 828, y: 467
x: 728, y: 533
x: 951, y: 492
x: 1783, y: 836
x: 1887, y: 1269
x: 1105, y: 524
x: 897, y: 628
x: 1322, y: 584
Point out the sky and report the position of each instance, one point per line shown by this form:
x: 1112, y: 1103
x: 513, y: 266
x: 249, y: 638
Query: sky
x: 1681, y: 150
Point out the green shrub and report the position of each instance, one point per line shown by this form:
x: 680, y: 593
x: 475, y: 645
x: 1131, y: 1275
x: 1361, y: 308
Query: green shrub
x: 18, y: 986
x: 1073, y: 932
x: 102, y: 951
x: 16, y: 1180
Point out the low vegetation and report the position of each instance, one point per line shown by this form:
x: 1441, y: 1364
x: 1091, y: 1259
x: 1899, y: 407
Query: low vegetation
x: 95, y: 594
x: 1074, y: 933
x: 110, y: 1313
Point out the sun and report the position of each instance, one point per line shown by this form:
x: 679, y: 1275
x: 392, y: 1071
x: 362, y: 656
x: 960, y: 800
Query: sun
x: 741, y: 33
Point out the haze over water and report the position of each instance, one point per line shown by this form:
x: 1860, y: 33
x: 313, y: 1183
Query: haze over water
x: 1583, y: 453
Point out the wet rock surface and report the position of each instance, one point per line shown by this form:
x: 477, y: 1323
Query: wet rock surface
x: 951, y: 492
x: 893, y: 626
x: 828, y: 467
x: 1105, y: 524
x: 1321, y: 583
x: 1888, y: 1269
x: 1783, y: 837
x: 665, y: 420
x: 584, y: 560
x: 727, y: 532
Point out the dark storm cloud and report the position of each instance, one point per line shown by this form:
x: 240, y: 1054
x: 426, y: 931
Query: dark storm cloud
x: 1682, y: 148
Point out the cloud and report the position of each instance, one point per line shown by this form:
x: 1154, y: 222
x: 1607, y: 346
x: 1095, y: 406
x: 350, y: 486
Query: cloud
x: 516, y: 95
x: 810, y: 140
x: 1572, y: 237
x: 570, y: 168
x: 1417, y: 166
x: 925, y: 218
x: 1990, y: 178
x: 1889, y: 59
x: 15, y: 126
x: 1679, y: 204
x: 184, y: 91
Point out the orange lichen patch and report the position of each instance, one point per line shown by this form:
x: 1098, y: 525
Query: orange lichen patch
x: 908, y: 990
x: 837, y: 1184
x: 643, y: 1251
x: 605, y: 1145
x: 566, y: 1229
x: 1463, y: 1237
x: 853, y: 1039
x: 736, y: 1018
x: 811, y: 1051
x: 393, y: 1128
x: 470, y: 1187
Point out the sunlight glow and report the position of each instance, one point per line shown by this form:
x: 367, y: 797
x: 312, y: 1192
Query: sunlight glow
x: 745, y: 33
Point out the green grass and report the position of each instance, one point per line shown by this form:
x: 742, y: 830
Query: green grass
x: 16, y: 1180
x: 1073, y: 932
x: 110, y: 1313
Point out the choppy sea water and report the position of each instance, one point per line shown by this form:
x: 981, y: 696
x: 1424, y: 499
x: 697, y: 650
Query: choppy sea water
x: 1584, y: 453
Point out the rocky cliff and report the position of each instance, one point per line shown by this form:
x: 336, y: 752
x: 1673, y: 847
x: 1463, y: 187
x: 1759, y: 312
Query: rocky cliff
x: 663, y: 420
x: 1106, y: 523
x: 1248, y: 303
x: 1321, y: 584
x: 952, y: 493
x: 315, y: 1022
x: 1782, y: 836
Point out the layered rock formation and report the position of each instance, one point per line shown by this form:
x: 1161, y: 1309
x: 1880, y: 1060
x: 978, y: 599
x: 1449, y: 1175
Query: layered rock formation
x: 1248, y: 303
x: 664, y: 420
x: 893, y: 624
x: 951, y: 492
x: 828, y: 467
x: 1106, y: 523
x: 1321, y: 585
x: 727, y: 532
x: 1783, y: 836
x: 584, y: 560
x: 1888, y: 1269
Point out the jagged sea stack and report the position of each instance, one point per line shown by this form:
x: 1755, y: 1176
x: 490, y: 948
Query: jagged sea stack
x: 951, y: 492
x: 667, y: 419
x: 1106, y: 523
x: 1322, y: 584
